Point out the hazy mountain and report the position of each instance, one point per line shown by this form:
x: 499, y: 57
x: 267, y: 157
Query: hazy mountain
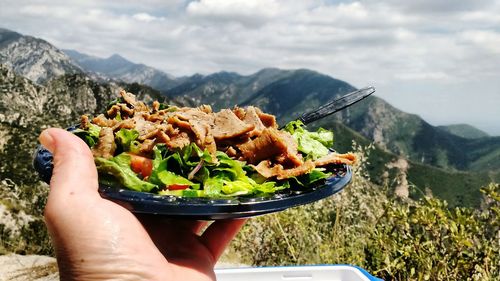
x: 118, y: 68
x: 464, y: 131
x: 289, y: 93
x: 33, y: 58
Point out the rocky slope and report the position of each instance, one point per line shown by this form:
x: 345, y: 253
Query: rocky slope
x: 33, y: 58
x: 26, y: 108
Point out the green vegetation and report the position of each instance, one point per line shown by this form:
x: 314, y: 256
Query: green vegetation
x: 393, y: 238
x: 365, y: 225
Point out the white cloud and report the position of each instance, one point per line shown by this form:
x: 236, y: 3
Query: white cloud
x: 430, y: 45
x: 483, y: 39
x: 249, y: 13
x: 145, y: 17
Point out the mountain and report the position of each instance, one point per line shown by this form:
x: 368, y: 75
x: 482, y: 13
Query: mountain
x: 464, y: 131
x: 117, y: 67
x: 458, y: 188
x: 289, y: 93
x: 33, y: 58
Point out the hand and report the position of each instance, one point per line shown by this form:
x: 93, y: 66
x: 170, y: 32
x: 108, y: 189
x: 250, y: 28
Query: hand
x: 96, y: 239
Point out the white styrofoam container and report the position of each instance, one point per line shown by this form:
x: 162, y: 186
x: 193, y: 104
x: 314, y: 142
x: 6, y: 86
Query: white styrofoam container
x: 295, y: 273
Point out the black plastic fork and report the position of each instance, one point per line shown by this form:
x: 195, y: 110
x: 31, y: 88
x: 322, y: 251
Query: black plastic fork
x: 336, y: 105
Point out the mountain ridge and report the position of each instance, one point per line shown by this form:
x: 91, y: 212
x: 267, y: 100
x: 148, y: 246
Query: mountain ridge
x: 119, y: 68
x: 33, y: 58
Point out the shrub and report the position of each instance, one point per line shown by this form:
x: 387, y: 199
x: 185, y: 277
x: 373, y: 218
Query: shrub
x: 393, y: 238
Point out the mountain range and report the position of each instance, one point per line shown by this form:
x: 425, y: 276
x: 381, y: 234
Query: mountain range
x: 41, y: 85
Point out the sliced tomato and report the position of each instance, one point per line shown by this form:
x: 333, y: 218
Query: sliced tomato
x: 177, y: 186
x: 141, y: 165
x: 147, y: 167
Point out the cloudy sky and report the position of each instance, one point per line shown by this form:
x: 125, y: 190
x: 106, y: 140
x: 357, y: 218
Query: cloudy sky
x: 438, y: 59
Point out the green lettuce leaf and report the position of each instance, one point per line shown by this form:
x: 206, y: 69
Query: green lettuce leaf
x: 168, y: 178
x: 119, y: 167
x: 126, y: 138
x: 90, y: 136
x: 313, y: 144
x: 238, y: 187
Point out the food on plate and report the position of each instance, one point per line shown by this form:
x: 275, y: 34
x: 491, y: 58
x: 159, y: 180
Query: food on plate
x: 195, y: 152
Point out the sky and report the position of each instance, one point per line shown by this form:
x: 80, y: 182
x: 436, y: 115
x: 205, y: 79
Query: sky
x: 437, y: 59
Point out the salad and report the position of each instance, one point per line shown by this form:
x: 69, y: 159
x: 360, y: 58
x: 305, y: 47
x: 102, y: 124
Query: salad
x: 195, y: 152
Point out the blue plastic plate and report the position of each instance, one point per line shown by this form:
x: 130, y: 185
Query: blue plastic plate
x: 205, y: 208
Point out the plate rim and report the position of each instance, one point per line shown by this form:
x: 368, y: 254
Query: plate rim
x: 206, y: 208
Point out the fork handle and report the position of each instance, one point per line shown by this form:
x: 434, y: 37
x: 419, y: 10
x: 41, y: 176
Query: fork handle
x: 336, y: 105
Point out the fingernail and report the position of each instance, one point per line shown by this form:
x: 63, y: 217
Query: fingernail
x: 47, y: 141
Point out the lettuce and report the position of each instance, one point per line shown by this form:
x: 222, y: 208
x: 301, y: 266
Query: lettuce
x: 219, y: 178
x: 119, y: 167
x: 168, y: 178
x: 313, y: 144
x: 90, y: 136
x: 127, y: 139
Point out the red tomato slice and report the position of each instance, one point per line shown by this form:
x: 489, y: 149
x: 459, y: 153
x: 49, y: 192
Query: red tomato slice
x: 147, y: 167
x: 177, y: 186
x: 141, y: 165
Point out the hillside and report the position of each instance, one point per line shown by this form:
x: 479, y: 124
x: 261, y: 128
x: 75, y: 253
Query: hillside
x: 458, y: 188
x: 33, y: 58
x: 26, y: 108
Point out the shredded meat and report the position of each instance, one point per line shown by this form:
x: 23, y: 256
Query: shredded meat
x: 113, y: 111
x: 200, y: 124
x: 268, y: 171
x: 268, y: 120
x: 227, y: 125
x: 102, y: 121
x: 143, y: 126
x: 162, y: 137
x: 156, y: 106
x: 174, y: 120
x: 252, y: 118
x: 239, y: 112
x: 272, y: 144
x: 205, y: 108
x: 291, y: 157
x: 131, y: 101
x: 106, y: 146
x: 335, y: 158
x: 147, y: 146
x: 149, y: 134
x: 178, y: 141
x: 266, y: 146
x: 84, y: 122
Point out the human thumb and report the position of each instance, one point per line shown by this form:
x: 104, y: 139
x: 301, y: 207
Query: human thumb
x: 74, y: 170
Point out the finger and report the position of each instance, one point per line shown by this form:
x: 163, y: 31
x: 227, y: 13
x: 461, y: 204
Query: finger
x: 163, y: 231
x: 219, y: 234
x: 158, y: 226
x: 74, y: 169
